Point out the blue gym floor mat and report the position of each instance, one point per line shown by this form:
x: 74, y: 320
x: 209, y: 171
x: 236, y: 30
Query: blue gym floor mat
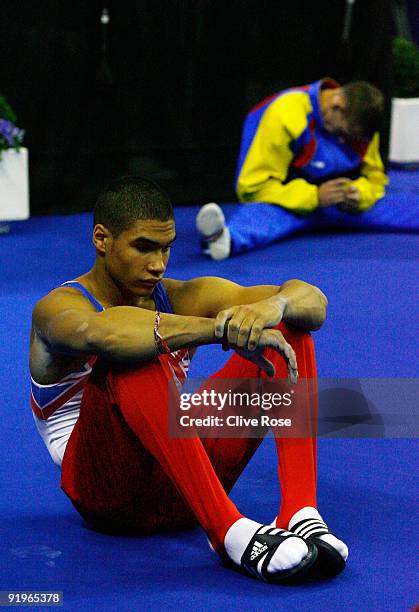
x: 367, y: 487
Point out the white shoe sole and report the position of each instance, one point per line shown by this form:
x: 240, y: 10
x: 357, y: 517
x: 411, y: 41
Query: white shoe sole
x: 210, y: 220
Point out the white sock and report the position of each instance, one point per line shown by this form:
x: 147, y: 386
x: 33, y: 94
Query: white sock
x: 311, y: 513
x: 289, y: 554
x: 210, y: 221
x: 220, y: 249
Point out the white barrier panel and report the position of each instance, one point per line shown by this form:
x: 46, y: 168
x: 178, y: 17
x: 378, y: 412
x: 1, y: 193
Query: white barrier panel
x: 14, y: 185
x: 404, y: 130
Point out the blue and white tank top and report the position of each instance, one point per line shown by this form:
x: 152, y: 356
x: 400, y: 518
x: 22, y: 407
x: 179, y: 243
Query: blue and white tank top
x: 56, y: 407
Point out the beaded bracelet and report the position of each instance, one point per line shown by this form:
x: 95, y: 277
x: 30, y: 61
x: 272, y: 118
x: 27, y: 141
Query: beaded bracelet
x: 159, y: 341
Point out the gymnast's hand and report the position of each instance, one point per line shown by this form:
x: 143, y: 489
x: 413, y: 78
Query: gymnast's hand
x: 242, y: 326
x: 272, y: 338
x: 332, y: 192
x: 352, y: 199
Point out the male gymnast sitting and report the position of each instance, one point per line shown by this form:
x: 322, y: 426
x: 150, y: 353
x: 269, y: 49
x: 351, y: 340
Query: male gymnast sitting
x: 106, y: 424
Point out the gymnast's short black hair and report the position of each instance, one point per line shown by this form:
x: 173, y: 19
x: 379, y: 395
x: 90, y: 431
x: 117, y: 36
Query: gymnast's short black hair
x: 130, y: 199
x: 365, y: 107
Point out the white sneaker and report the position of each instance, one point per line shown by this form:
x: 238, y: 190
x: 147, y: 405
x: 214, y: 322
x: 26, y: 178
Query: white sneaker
x: 210, y: 223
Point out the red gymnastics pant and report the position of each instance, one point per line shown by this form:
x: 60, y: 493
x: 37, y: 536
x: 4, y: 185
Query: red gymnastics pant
x: 125, y: 474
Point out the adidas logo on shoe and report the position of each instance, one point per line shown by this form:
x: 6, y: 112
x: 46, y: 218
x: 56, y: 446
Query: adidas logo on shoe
x: 257, y: 550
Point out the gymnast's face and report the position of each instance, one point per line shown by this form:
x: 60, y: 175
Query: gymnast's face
x: 334, y: 114
x: 136, y: 259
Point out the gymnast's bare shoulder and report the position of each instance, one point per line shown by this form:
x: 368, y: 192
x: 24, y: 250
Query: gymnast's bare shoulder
x: 47, y: 362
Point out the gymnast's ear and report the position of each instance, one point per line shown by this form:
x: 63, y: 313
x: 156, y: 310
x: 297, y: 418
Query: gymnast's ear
x: 101, y: 237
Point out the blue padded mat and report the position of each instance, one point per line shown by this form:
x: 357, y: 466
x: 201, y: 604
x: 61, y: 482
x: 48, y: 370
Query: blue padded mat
x: 367, y: 487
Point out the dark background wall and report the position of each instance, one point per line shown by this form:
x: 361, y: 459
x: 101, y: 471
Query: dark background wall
x: 184, y: 74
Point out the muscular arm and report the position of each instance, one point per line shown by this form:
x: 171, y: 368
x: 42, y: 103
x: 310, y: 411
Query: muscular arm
x: 295, y: 301
x: 66, y: 324
x: 244, y: 315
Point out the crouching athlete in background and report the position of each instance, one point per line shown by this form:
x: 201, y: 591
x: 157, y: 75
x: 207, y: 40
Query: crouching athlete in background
x: 309, y: 156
